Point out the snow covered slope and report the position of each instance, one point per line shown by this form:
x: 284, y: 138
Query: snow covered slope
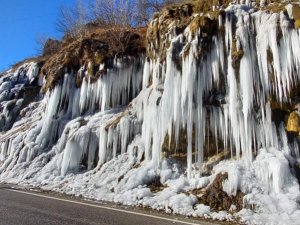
x: 199, y: 127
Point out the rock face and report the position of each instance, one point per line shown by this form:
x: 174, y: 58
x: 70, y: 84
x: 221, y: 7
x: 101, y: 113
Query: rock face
x: 217, y: 199
x: 293, y: 123
x: 17, y: 90
x: 209, y: 96
x: 218, y: 57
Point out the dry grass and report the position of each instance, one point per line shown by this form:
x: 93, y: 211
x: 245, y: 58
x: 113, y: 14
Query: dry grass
x: 95, y: 47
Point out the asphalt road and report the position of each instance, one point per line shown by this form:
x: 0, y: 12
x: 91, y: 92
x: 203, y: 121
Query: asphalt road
x: 27, y: 208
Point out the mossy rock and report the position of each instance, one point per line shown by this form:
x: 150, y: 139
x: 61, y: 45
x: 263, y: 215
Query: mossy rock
x: 296, y: 15
x: 297, y: 24
x: 199, y: 21
x: 99, y: 58
x: 204, y: 6
x: 216, y: 198
x: 293, y: 122
x: 237, y: 55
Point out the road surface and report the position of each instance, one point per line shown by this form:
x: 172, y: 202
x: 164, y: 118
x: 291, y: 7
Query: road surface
x: 28, y: 208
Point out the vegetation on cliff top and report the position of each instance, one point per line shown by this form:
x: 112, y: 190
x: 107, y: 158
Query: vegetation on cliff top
x: 94, y: 35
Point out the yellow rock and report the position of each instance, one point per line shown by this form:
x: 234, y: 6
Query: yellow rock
x: 297, y: 23
x: 296, y: 15
x: 293, y: 123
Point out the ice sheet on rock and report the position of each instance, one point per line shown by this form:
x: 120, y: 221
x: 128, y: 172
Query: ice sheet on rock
x: 269, y: 187
x: 186, y: 97
x: 66, y: 102
x: 13, y: 87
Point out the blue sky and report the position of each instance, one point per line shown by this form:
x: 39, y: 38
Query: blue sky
x: 21, y: 22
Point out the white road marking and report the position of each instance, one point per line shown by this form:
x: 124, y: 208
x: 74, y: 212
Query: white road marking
x: 103, y: 207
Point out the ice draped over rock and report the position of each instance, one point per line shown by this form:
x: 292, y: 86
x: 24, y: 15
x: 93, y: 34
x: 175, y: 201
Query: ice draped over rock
x: 215, y: 87
x: 65, y: 103
x: 13, y: 88
x: 268, y: 69
x: 196, y: 90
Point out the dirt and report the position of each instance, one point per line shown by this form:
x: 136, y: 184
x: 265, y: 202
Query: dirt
x: 216, y: 198
x: 155, y: 185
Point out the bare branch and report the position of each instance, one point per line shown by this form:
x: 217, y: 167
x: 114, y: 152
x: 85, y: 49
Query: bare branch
x: 72, y: 20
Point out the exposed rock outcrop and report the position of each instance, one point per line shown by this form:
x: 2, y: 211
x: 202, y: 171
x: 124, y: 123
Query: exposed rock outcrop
x: 217, y: 199
x: 293, y: 122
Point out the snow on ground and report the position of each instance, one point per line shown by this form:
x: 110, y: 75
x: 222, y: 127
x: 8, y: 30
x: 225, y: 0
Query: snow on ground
x: 272, y: 194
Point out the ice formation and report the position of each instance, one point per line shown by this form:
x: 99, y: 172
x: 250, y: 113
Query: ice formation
x: 105, y: 139
x: 15, y: 90
x: 243, y: 119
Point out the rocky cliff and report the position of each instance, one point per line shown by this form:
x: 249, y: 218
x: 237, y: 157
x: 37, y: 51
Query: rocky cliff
x: 198, y: 117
